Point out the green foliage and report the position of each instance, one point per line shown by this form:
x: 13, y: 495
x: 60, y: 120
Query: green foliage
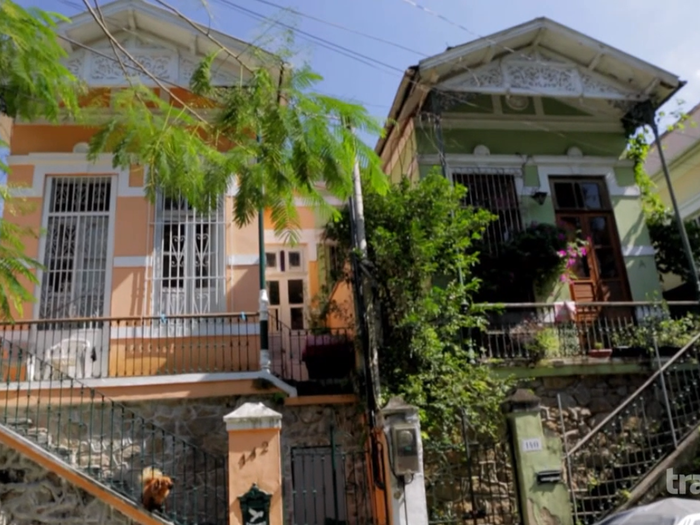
x: 15, y: 266
x: 281, y: 139
x: 418, y: 235
x: 666, y: 239
x: 33, y: 81
x: 666, y: 330
x: 661, y: 223
x: 531, y: 258
x: 33, y: 84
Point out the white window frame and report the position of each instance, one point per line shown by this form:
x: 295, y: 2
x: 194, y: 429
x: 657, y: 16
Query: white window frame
x: 46, y: 196
x: 216, y: 301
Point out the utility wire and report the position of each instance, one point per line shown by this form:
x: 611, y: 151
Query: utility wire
x: 341, y: 27
x: 373, y: 63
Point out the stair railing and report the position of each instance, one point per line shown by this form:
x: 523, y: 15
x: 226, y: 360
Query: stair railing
x: 619, y: 451
x: 109, y: 442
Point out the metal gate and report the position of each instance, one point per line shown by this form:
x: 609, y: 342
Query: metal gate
x: 470, y: 481
x: 331, y: 486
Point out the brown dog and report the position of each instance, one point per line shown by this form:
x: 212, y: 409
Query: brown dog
x: 156, y: 488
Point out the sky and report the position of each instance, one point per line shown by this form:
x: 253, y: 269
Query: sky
x: 663, y: 33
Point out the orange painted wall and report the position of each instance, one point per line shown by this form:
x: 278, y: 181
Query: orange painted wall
x: 134, y: 236
x: 255, y: 457
x: 183, y: 355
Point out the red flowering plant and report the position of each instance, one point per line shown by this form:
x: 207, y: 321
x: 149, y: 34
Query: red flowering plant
x: 534, y: 258
x: 571, y: 257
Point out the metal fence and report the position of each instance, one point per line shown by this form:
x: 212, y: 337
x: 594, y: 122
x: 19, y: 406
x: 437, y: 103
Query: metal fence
x: 532, y: 331
x: 129, y: 347
x: 470, y: 481
x: 110, y: 443
x: 605, y: 467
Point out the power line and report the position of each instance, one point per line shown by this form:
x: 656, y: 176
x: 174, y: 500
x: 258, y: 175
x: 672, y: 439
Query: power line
x: 372, y: 62
x: 342, y: 27
x: 367, y: 60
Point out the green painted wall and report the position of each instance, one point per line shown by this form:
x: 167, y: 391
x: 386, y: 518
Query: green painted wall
x: 483, y: 104
x: 641, y: 270
x: 542, y: 503
x: 508, y: 142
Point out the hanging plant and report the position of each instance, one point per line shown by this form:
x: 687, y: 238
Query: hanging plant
x: 533, y: 259
x: 574, y: 252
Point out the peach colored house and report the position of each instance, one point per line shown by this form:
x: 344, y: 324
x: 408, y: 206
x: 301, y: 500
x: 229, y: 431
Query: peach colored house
x: 159, y: 281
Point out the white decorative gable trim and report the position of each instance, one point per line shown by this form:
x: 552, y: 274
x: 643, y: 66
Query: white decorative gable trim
x: 540, y: 73
x: 170, y: 65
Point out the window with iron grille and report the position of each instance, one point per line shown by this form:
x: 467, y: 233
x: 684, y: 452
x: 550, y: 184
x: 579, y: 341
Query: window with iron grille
x: 493, y: 190
x: 75, y: 255
x: 189, y: 266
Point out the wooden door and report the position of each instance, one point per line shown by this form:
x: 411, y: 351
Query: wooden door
x: 286, y: 289
x: 583, y: 208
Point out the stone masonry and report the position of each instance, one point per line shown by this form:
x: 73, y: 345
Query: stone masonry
x: 30, y: 495
x: 585, y: 400
x: 189, y: 442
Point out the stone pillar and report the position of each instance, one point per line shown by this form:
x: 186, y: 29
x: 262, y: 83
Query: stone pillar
x: 254, y: 458
x: 543, y: 496
x: 401, y: 425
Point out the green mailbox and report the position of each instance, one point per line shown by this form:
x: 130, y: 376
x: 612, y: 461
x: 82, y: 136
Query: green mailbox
x: 255, y: 506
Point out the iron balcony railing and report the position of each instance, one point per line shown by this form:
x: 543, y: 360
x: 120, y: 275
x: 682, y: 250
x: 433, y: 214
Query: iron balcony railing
x: 606, y: 465
x: 535, y: 331
x: 152, y: 346
x: 322, y: 355
x: 110, y: 443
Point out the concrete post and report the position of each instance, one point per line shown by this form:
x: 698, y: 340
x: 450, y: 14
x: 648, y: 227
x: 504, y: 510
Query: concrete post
x: 254, y: 458
x: 542, y: 493
x: 401, y: 426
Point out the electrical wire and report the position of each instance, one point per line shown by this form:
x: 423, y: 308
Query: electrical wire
x: 342, y: 27
x: 370, y: 61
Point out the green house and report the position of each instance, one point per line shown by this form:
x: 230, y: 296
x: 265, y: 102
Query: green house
x: 532, y: 120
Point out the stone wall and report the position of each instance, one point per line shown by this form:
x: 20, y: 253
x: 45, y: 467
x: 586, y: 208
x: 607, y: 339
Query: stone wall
x: 306, y: 441
x: 31, y: 495
x: 585, y: 400
x: 187, y: 440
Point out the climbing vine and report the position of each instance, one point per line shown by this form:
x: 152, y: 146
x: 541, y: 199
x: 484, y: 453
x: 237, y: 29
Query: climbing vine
x: 661, y: 223
x: 420, y: 239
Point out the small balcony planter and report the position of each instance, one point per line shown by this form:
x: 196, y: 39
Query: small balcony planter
x: 328, y: 356
x: 600, y: 353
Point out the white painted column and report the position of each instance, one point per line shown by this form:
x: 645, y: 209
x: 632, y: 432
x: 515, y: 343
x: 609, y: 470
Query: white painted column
x: 409, y: 505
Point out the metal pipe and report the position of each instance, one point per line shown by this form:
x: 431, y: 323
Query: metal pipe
x: 676, y: 211
x: 264, y: 300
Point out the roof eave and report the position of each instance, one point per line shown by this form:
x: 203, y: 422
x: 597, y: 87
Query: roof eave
x: 402, y: 94
x: 160, y: 14
x: 430, y: 64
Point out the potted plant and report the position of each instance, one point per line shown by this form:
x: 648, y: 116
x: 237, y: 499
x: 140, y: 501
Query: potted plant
x: 599, y: 352
x: 538, y: 340
x: 328, y: 356
x: 629, y: 342
x: 674, y: 334
x: 670, y: 335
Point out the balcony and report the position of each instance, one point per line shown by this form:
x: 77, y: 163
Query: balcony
x: 532, y: 332
x: 103, y: 348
